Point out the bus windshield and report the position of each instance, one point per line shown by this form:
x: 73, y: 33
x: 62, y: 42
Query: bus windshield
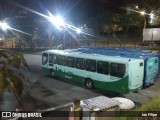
x: 44, y: 58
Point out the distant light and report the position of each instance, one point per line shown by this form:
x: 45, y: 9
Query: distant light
x: 142, y: 12
x: 151, y: 16
x: 78, y: 30
x: 137, y: 7
x: 4, y: 26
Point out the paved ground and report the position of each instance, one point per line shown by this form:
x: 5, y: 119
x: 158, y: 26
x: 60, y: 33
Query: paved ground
x: 46, y: 92
x: 144, y: 94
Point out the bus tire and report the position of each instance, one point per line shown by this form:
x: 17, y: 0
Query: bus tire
x: 89, y: 83
x: 52, y: 73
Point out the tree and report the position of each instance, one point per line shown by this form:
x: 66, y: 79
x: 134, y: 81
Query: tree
x: 109, y: 23
x: 13, y: 81
x: 132, y: 20
x: 127, y: 21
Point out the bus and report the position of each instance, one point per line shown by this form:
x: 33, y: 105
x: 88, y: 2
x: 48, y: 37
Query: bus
x: 151, y: 61
x: 110, y: 73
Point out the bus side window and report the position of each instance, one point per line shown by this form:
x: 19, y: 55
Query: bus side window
x: 61, y: 60
x: 70, y: 61
x: 91, y: 65
x: 44, y: 58
x: 52, y: 58
x: 117, y: 70
x: 80, y: 62
x: 103, y: 67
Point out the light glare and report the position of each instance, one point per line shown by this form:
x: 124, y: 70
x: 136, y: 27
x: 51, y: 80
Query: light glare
x: 142, y: 12
x: 57, y: 21
x: 152, y: 16
x: 4, y: 26
x: 78, y: 30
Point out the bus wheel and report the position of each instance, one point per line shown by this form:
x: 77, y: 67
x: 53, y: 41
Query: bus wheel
x: 89, y: 83
x: 52, y: 73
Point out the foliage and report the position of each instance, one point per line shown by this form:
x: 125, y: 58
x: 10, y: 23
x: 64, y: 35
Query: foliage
x: 124, y: 18
x: 10, y: 60
x: 152, y: 105
x: 146, y: 5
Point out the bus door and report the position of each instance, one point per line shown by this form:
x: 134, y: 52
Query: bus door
x: 70, y: 70
x: 52, y: 63
x: 45, y: 59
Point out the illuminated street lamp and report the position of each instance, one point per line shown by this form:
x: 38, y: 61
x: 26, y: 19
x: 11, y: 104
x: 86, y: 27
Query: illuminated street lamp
x: 137, y: 7
x: 142, y: 12
x: 57, y: 21
x: 4, y: 26
x: 59, y: 24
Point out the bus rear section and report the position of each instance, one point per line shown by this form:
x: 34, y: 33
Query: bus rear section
x: 136, y: 73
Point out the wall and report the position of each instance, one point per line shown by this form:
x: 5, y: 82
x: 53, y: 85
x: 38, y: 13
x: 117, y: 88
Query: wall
x: 110, y: 44
x: 8, y: 43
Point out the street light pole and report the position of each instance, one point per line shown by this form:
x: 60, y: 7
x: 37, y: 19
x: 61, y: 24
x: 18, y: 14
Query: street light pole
x: 145, y: 22
x: 144, y: 17
x: 142, y: 13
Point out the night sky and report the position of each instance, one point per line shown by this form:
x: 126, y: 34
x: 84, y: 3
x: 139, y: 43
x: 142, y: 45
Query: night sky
x: 71, y: 9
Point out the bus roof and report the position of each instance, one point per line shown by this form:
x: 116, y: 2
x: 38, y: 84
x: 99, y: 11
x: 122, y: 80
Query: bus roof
x: 123, y: 52
x: 74, y: 53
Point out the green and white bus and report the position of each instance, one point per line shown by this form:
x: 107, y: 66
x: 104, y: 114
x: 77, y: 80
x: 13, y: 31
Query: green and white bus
x: 111, y: 73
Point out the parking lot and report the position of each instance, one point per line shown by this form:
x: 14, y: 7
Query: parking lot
x: 45, y: 92
x: 60, y: 91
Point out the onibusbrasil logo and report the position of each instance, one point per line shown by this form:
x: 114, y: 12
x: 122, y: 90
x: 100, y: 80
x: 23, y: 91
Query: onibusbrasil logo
x: 15, y: 114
